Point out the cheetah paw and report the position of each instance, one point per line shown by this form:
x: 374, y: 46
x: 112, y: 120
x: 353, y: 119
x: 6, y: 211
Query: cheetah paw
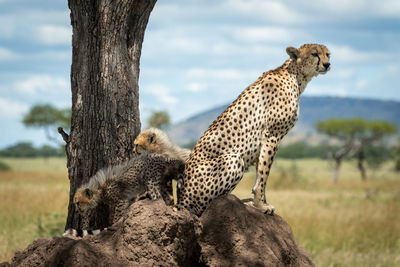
x: 264, y: 207
x: 71, y: 233
x: 269, y: 209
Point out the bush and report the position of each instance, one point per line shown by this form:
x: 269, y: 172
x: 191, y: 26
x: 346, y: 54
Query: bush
x: 190, y: 145
x: 4, y: 166
x: 50, y: 224
x: 303, y: 150
x: 27, y: 150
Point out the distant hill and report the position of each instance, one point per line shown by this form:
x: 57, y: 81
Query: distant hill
x: 312, y: 109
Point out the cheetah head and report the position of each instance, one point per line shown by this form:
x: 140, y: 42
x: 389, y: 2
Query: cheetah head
x: 85, y: 198
x: 310, y: 59
x: 149, y: 141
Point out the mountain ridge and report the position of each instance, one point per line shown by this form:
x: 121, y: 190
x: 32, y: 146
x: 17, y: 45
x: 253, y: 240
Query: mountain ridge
x: 312, y: 109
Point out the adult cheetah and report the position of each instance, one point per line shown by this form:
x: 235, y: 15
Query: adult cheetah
x: 248, y: 132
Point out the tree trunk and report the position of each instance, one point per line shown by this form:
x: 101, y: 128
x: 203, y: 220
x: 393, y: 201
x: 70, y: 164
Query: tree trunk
x: 106, y: 47
x: 335, y: 174
x: 338, y: 157
x: 360, y: 165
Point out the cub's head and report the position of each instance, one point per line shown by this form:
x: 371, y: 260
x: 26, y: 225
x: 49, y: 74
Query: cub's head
x: 85, y: 198
x: 151, y: 141
x: 311, y: 59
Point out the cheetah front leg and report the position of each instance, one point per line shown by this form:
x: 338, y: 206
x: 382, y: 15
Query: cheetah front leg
x: 269, y: 146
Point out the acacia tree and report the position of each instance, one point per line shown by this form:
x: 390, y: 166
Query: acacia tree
x: 354, y: 135
x: 396, y: 155
x: 48, y: 117
x: 106, y: 46
x: 372, y: 132
x: 159, y: 119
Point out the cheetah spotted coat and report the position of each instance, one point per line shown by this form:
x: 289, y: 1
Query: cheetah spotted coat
x: 248, y: 132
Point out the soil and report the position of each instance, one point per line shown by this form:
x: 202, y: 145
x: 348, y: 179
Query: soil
x: 229, y: 233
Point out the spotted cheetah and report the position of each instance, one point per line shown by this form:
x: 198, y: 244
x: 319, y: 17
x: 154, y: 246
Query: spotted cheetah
x: 249, y: 131
x: 154, y: 140
x: 116, y: 187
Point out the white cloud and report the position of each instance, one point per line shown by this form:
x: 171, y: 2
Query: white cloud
x: 264, y: 34
x: 38, y: 84
x: 220, y: 41
x: 50, y: 55
x: 347, y: 54
x: 361, y: 84
x: 342, y: 73
x: 337, y: 89
x: 392, y: 68
x: 54, y: 35
x: 161, y: 92
x: 196, y: 87
x: 6, y: 55
x: 12, y: 109
x: 273, y: 11
x: 26, y: 24
x: 389, y: 8
x: 356, y: 8
x: 220, y: 74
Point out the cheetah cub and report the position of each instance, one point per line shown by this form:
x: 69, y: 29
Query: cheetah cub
x: 117, y: 187
x: 248, y: 132
x: 154, y: 140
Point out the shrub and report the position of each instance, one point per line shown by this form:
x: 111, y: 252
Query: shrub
x: 4, y: 166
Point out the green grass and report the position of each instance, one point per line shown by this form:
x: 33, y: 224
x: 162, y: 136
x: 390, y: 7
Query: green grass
x: 352, y: 223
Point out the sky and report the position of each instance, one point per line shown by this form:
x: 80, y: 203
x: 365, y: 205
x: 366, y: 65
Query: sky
x: 198, y: 54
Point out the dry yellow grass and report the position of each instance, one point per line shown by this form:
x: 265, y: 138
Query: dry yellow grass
x: 352, y: 223
x: 32, y: 204
x: 337, y: 224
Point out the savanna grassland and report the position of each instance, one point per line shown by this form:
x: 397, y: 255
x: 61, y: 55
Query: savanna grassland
x: 352, y: 223
x: 33, y: 202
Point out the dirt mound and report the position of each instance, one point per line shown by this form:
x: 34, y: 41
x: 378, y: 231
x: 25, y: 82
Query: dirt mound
x: 238, y: 235
x: 228, y: 233
x: 150, y: 234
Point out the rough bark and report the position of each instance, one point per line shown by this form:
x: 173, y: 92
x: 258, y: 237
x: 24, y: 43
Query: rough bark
x: 106, y: 47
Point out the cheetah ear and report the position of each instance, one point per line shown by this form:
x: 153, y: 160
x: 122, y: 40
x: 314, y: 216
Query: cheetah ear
x: 151, y: 138
x: 292, y: 52
x: 88, y: 193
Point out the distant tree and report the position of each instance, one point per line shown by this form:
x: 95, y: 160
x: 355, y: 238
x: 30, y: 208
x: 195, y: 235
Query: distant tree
x: 159, y: 119
x: 396, y: 155
x: 375, y: 155
x: 301, y: 149
x: 190, y: 145
x: 49, y: 151
x: 4, y: 166
x: 22, y: 149
x: 27, y: 150
x: 48, y: 118
x: 355, y: 135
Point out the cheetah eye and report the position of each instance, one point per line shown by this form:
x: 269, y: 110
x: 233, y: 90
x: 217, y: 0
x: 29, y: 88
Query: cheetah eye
x: 328, y: 55
x: 314, y: 54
